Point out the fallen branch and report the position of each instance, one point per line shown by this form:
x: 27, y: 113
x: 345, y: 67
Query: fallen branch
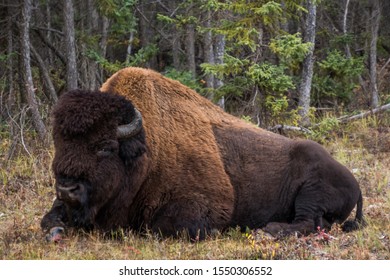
x: 280, y: 127
x: 364, y: 114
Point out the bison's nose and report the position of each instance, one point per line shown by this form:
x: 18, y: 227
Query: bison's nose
x: 74, y: 194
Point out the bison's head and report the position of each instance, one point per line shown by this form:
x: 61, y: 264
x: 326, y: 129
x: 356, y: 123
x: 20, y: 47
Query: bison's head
x: 99, y: 143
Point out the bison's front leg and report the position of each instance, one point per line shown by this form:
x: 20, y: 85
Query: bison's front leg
x: 53, y: 223
x: 187, y: 216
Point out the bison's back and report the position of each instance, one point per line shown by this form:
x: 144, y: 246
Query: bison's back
x: 169, y: 108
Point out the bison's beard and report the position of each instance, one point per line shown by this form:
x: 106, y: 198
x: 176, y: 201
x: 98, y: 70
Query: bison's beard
x: 84, y: 215
x: 81, y: 217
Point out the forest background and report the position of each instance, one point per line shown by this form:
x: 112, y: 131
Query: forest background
x: 273, y: 62
x: 302, y: 65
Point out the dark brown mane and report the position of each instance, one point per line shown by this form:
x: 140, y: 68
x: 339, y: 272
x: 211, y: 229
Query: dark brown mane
x: 80, y: 111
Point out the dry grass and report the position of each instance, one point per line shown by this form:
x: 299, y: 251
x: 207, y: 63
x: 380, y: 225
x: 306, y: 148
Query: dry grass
x: 26, y: 193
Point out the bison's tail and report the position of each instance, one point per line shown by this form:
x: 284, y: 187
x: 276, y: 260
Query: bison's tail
x: 358, y: 222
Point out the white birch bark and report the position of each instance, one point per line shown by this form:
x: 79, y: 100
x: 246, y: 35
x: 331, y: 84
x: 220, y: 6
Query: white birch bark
x: 308, y: 63
x: 375, y: 17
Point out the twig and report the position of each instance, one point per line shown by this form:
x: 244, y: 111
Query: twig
x: 22, y: 122
x: 384, y: 67
x: 14, y: 126
x: 51, y: 46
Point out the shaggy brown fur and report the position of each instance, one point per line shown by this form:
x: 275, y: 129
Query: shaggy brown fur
x: 194, y: 167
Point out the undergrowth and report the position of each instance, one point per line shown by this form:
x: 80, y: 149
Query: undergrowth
x: 27, y: 192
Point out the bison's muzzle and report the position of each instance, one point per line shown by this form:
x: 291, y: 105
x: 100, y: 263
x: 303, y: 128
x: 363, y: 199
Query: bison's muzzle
x: 72, y: 192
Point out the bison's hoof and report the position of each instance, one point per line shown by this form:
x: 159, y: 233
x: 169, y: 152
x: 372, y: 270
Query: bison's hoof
x: 55, y: 234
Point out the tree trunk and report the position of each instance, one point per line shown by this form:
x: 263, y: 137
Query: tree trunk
x: 375, y: 17
x: 70, y: 45
x: 176, y: 43
x: 176, y: 37
x: 308, y: 63
x: 347, y: 46
x: 12, y: 98
x: 93, y: 29
x: 103, y: 45
x: 147, y: 10
x: 49, y: 33
x: 132, y: 29
x: 190, y: 49
x: 28, y: 79
x: 129, y: 47
x: 219, y: 51
x: 209, y: 53
x: 345, y: 32
x: 190, y: 43
x: 11, y: 102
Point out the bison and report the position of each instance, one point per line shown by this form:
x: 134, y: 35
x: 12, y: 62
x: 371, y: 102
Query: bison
x: 146, y: 152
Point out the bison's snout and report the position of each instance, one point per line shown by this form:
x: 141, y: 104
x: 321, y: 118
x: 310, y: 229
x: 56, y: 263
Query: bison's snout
x: 75, y: 194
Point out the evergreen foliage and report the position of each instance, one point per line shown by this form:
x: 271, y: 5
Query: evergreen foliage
x: 247, y: 55
x: 336, y: 77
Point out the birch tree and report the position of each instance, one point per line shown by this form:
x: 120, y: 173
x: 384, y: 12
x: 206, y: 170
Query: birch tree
x: 344, y: 26
x: 219, y: 51
x: 307, y: 67
x: 208, y: 50
x: 190, y: 48
x: 375, y: 18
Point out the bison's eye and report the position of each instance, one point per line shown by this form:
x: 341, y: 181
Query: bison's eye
x: 107, y: 148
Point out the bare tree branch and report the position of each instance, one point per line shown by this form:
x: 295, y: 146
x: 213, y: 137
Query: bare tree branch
x: 365, y: 114
x: 383, y: 67
x: 59, y: 32
x: 282, y: 127
x: 50, y: 46
x: 45, y: 74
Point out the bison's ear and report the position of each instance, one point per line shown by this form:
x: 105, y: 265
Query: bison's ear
x: 131, y: 149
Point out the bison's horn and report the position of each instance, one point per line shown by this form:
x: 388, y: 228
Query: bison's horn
x: 131, y: 129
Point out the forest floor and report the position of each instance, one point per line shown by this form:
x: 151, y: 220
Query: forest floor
x: 27, y: 192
